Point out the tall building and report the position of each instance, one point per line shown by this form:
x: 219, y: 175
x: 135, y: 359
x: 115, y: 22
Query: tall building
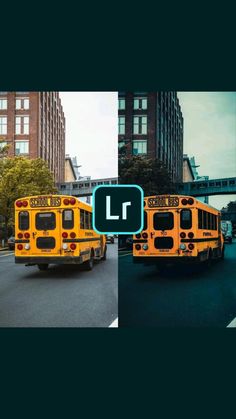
x: 33, y: 125
x: 151, y: 124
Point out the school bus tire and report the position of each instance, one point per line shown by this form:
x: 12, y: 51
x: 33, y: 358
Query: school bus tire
x: 104, y: 257
x: 43, y: 266
x: 88, y: 265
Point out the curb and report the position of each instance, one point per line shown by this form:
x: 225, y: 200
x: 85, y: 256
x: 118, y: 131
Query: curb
x: 3, y: 248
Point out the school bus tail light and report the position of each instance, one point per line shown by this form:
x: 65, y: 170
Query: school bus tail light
x: 191, y: 246
x: 184, y: 201
x: 20, y: 236
x: 138, y: 236
x: 191, y: 235
x: 138, y: 247
x: 145, y: 235
x: 20, y: 246
x: 25, y: 203
x: 72, y: 235
x: 182, y: 235
x: 190, y: 201
x: 19, y: 204
x: 72, y: 201
x: 73, y: 246
x: 66, y: 201
x: 64, y: 235
x: 27, y: 235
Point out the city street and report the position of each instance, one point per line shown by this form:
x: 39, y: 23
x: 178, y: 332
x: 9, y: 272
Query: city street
x: 63, y: 296
x: 178, y: 298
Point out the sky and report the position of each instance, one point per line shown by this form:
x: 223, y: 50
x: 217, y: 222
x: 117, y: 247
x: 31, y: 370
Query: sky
x: 91, y: 131
x: 210, y: 135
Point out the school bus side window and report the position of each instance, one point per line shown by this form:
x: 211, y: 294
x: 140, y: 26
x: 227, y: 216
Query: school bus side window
x: 82, y: 219
x: 23, y: 220
x: 186, y: 219
x: 68, y: 219
x: 200, y: 219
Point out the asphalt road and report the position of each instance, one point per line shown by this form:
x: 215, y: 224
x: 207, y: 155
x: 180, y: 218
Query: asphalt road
x: 63, y: 296
x: 179, y: 298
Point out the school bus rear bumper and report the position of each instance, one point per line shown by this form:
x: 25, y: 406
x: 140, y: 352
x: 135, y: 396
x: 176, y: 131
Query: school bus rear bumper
x: 35, y: 260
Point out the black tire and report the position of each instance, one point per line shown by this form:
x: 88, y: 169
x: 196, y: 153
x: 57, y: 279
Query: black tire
x: 88, y: 265
x: 222, y: 256
x: 43, y: 266
x: 209, y: 260
x: 104, y: 254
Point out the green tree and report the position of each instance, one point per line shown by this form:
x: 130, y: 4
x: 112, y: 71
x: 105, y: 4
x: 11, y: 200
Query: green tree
x: 21, y: 177
x: 148, y: 173
x: 3, y: 149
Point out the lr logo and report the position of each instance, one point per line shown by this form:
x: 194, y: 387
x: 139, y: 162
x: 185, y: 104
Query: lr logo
x: 118, y: 209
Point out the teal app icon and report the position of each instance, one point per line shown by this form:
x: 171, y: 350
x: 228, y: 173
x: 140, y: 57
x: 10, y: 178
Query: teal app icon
x: 118, y: 209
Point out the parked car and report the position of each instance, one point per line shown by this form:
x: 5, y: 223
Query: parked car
x: 11, y: 243
x: 110, y: 238
x: 129, y: 242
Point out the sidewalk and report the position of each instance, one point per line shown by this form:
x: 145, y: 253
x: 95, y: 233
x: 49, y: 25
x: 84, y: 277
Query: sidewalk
x: 3, y: 248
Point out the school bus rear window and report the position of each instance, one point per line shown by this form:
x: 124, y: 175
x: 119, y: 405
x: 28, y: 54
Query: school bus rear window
x: 163, y: 221
x: 23, y: 220
x: 186, y: 219
x: 45, y: 221
x: 68, y: 219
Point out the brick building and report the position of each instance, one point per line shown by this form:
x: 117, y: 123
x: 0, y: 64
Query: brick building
x: 33, y: 125
x: 151, y: 124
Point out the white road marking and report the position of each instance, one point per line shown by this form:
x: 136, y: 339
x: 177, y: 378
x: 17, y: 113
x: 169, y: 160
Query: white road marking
x: 121, y: 256
x: 115, y: 323
x: 233, y: 323
x: 7, y: 254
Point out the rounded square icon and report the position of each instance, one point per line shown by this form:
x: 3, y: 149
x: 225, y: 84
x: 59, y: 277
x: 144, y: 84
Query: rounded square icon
x: 118, y: 209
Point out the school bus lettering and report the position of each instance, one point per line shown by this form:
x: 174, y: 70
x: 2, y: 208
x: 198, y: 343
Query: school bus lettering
x: 163, y: 201
x: 56, y: 229
x: 178, y: 228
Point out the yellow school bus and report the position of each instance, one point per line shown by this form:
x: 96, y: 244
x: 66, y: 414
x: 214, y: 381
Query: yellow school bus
x: 178, y: 229
x: 56, y: 229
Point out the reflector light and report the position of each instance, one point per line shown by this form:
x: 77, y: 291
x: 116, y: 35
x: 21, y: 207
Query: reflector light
x: 137, y: 246
x: 182, y: 246
x: 64, y: 235
x: 191, y: 246
x: 145, y: 247
x: 73, y: 246
x: 182, y: 235
x: 27, y: 246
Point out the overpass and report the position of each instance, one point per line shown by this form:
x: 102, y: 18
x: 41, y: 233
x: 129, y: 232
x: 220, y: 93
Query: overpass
x: 84, y: 187
x: 225, y: 186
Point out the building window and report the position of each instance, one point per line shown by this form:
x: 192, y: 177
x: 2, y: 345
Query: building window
x: 21, y: 147
x: 22, y: 103
x: 22, y: 125
x: 121, y: 144
x: 140, y: 125
x: 3, y: 125
x: 122, y: 104
x: 140, y: 147
x: 2, y: 144
x: 140, y: 103
x: 3, y: 104
x: 121, y: 125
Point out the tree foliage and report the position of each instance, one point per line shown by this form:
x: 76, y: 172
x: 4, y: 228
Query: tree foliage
x: 21, y: 177
x: 148, y: 173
